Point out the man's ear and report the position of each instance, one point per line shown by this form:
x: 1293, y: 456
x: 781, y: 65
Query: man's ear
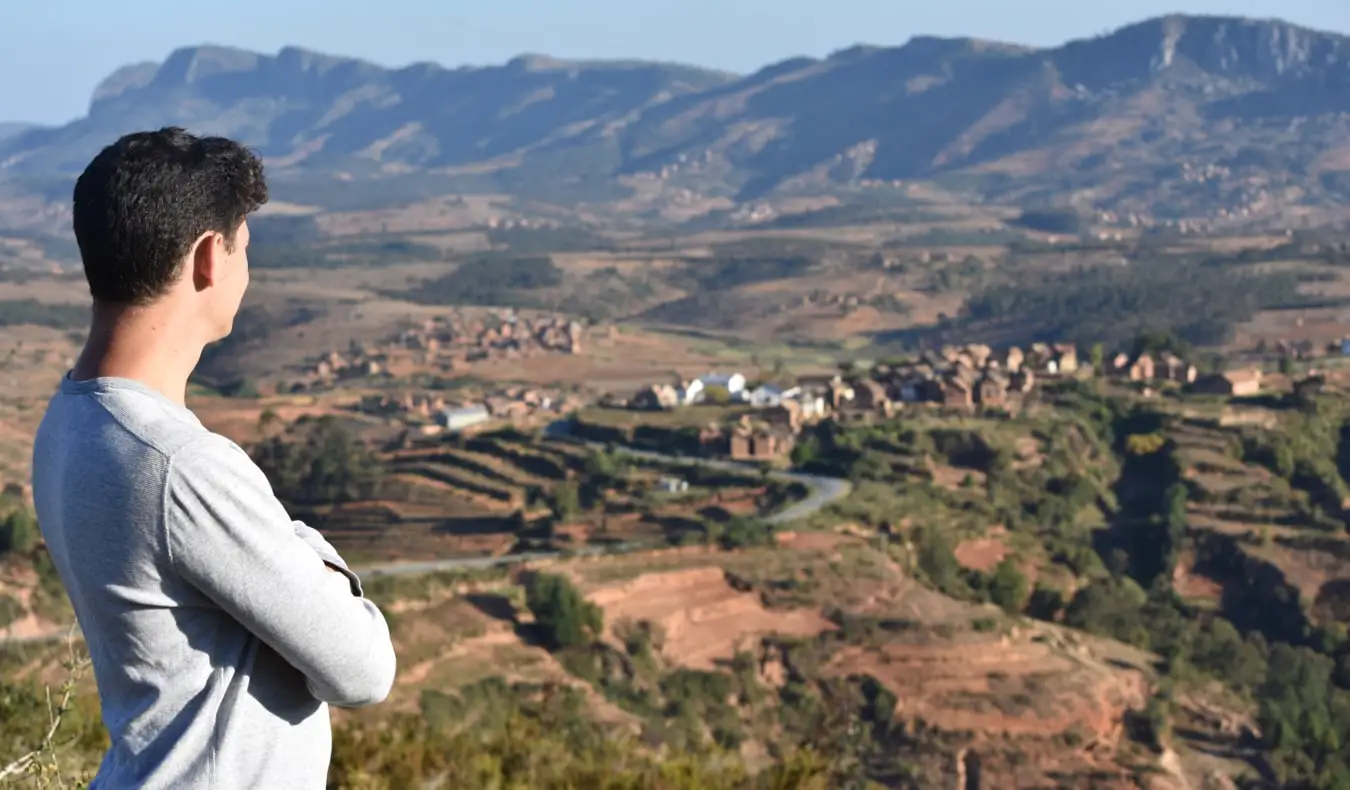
x: 207, y: 254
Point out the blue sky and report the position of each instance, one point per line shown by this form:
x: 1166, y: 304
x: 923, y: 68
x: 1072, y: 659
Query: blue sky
x: 53, y: 53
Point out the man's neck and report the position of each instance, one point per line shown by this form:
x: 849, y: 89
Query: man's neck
x: 151, y: 345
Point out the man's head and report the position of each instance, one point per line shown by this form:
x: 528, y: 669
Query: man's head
x: 159, y: 218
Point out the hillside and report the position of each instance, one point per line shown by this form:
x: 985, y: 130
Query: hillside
x: 1178, y: 117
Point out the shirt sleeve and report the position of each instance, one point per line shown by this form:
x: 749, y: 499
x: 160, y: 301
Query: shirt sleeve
x: 316, y: 541
x: 229, y: 536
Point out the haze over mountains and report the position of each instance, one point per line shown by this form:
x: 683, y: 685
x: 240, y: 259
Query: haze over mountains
x: 1173, y: 117
x: 10, y: 129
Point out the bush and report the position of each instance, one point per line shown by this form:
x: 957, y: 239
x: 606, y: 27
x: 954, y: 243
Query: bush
x: 324, y: 464
x: 937, y: 559
x: 565, y: 618
x: 741, y: 532
x: 10, y: 610
x: 716, y: 395
x: 18, y: 531
x: 1008, y: 587
x: 1111, y: 607
x: 640, y: 639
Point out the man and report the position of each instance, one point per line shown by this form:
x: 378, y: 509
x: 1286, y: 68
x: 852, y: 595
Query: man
x: 219, y: 630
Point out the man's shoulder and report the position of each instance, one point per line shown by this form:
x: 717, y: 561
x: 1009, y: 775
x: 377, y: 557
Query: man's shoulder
x: 206, y: 448
x: 122, y: 420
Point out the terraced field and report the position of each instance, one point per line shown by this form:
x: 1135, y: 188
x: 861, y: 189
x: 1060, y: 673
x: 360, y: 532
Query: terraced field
x: 481, y: 495
x: 1252, y: 532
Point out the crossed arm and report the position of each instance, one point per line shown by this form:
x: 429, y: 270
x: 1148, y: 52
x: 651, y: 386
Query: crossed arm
x: 229, y: 536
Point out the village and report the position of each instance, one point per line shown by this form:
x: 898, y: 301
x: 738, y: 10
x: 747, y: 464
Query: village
x: 413, y: 372
x: 446, y: 344
x: 439, y: 351
x: 954, y: 379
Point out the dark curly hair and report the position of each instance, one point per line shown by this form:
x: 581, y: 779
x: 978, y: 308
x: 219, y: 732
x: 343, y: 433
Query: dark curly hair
x: 146, y: 198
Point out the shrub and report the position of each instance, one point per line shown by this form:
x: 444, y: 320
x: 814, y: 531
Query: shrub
x: 565, y: 618
x: 323, y: 463
x: 18, y: 531
x: 1008, y: 587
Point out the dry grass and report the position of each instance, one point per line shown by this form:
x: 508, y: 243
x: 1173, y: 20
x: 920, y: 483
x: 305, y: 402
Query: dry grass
x: 704, y: 619
x: 32, y: 362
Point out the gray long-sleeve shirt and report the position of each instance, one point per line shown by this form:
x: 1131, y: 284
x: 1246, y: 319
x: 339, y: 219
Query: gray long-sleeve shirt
x: 217, y: 634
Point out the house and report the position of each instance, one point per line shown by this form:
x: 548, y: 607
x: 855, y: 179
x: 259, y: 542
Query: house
x: 1011, y: 359
x: 1233, y: 383
x: 655, y: 398
x: 813, y: 407
x: 457, y: 419
x: 690, y: 392
x: 869, y: 395
x: 1142, y: 369
x: 991, y: 392
x: 739, y: 446
x: 919, y: 387
x: 840, y: 394
x: 673, y: 485
x: 979, y: 354
x: 760, y: 443
x: 832, y: 388
x: 766, y: 395
x: 1065, y: 358
x: 1176, y: 369
x: 1040, y: 357
x: 958, y: 390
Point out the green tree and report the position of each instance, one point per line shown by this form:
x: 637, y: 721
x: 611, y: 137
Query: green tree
x: 1222, y: 652
x: 1097, y: 357
x: 1008, y: 587
x: 936, y: 557
x: 565, y: 618
x: 1175, y: 515
x: 319, y: 462
x: 1303, y: 719
x: 1110, y: 607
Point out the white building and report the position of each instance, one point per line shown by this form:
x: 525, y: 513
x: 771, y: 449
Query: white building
x: 769, y: 395
x: 460, y: 418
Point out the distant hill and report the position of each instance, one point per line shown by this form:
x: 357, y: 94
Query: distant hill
x: 11, y: 129
x: 1175, y: 117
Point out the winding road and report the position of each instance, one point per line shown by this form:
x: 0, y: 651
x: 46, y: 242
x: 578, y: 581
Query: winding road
x: 821, y: 492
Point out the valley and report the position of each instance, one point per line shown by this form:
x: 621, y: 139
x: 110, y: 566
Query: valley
x: 958, y: 414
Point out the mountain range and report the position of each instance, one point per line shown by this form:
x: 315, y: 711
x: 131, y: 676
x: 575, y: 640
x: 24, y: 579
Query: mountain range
x: 11, y: 129
x: 1173, y: 117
